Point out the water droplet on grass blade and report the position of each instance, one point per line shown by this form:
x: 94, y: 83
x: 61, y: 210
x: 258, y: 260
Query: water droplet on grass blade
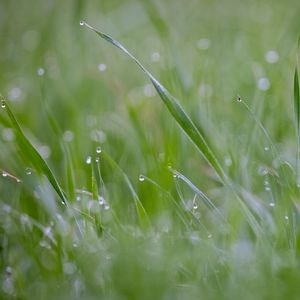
x: 195, y: 206
x: 28, y: 171
x: 88, y: 160
x: 238, y: 98
x: 141, y: 178
x: 8, y: 270
x: 3, y: 105
x: 155, y: 56
x: 68, y: 136
x: 81, y: 22
x: 266, y: 148
x: 272, y: 204
x: 262, y: 171
x: 4, y: 174
x: 263, y: 83
x: 272, y: 57
x: 40, y: 71
x: 98, y: 150
x: 101, y: 200
x: 106, y: 206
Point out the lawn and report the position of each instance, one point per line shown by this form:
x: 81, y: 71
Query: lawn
x: 149, y: 149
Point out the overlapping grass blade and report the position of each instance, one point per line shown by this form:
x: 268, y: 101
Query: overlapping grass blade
x: 33, y: 155
x: 187, y: 125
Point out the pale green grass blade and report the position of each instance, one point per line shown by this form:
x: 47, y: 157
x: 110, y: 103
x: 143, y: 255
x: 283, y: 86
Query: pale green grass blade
x: 174, y: 108
x: 141, y: 212
x: 28, y: 149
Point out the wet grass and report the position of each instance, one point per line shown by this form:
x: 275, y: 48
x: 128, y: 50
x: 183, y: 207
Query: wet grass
x: 177, y: 182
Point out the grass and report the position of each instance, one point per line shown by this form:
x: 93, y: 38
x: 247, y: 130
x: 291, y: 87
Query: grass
x: 112, y: 188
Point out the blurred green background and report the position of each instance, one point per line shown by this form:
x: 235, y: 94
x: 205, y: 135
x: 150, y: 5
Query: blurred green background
x: 72, y: 92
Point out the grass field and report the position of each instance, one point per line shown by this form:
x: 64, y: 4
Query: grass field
x: 170, y: 170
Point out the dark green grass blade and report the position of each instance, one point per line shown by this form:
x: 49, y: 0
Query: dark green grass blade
x: 174, y: 108
x: 297, y: 110
x: 37, y: 161
x: 296, y: 100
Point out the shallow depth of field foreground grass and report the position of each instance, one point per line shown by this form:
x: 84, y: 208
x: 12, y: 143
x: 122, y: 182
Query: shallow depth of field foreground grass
x: 149, y: 149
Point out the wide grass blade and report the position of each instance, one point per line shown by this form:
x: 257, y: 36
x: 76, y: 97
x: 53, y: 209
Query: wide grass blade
x: 35, y: 158
x: 174, y: 108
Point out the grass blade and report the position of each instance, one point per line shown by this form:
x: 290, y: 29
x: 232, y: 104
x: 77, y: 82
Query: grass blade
x: 36, y: 159
x: 187, y: 125
x: 297, y: 111
x: 174, y: 107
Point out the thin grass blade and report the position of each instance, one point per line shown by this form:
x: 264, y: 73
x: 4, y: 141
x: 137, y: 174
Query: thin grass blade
x: 174, y: 108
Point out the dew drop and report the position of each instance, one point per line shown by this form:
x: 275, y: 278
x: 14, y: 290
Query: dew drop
x: 78, y: 198
x: 141, y: 178
x: 101, y: 200
x: 209, y: 236
x: 4, y: 174
x: 97, y: 159
x: 195, y: 206
x: 82, y: 22
x: 47, y: 231
x: 68, y: 136
x: 102, y: 67
x: 267, y: 189
x: 238, y: 98
x: 272, y: 57
x: 262, y: 171
x: 88, y: 160
x: 175, y: 175
x: 272, y: 204
x: 155, y: 56
x: 98, y: 150
x: 40, y: 71
x: 266, y: 148
x: 3, y: 105
x: 106, y: 206
x: 28, y: 171
x: 263, y: 83
x: 286, y: 218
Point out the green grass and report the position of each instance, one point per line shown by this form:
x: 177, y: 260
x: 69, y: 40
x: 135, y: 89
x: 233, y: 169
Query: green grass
x: 178, y: 179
